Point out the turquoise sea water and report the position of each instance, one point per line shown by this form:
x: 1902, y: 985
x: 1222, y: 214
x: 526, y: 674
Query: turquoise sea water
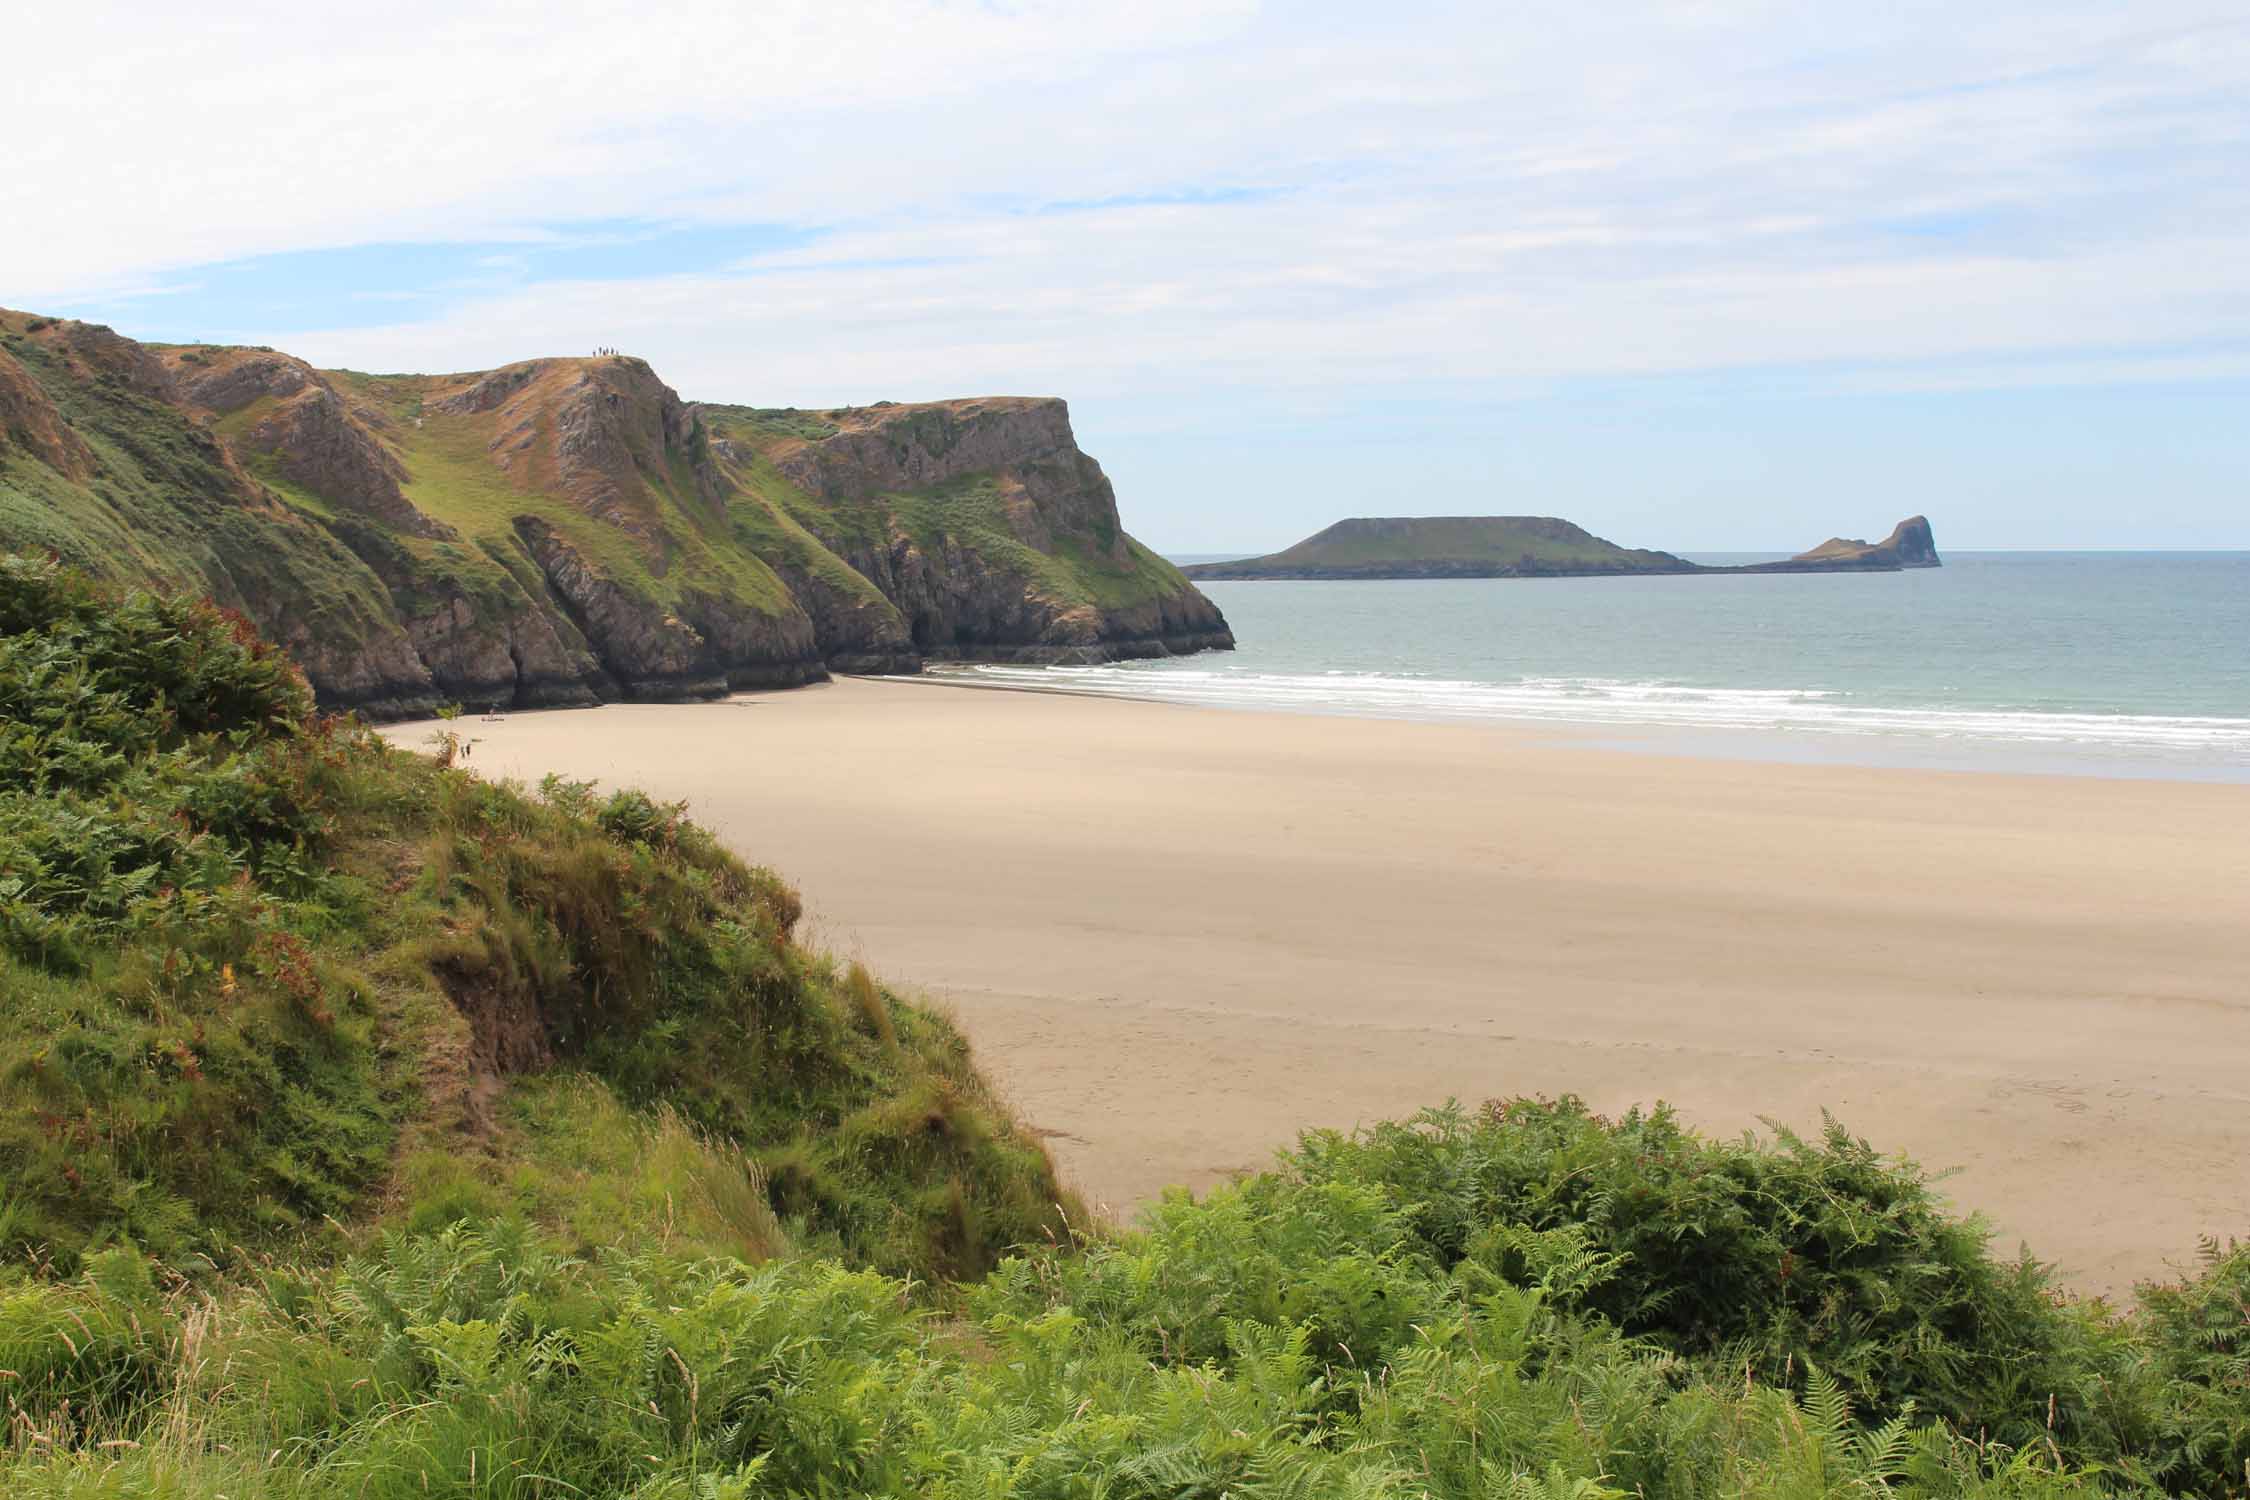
x: 2110, y: 663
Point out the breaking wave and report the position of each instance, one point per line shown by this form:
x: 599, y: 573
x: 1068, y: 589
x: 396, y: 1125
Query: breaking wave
x: 1605, y: 701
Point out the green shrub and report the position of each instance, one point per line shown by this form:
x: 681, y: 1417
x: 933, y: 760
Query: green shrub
x: 481, y: 1359
x: 1331, y: 1260
x: 2198, y: 1343
x: 244, y: 947
x: 1760, y: 1255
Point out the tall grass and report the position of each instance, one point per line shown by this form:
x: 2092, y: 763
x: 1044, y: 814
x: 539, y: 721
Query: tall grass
x: 252, y: 956
x: 874, y: 1010
x: 1283, y: 1337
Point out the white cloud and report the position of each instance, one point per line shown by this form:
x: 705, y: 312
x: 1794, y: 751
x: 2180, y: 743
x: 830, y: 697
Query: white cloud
x: 172, y: 134
x: 1165, y: 298
x: 1426, y: 196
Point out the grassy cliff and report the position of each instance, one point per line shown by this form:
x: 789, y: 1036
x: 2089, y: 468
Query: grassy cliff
x: 367, y: 1128
x: 563, y: 531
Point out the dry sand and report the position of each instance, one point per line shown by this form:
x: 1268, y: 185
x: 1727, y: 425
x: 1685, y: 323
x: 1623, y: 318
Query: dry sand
x: 1179, y: 935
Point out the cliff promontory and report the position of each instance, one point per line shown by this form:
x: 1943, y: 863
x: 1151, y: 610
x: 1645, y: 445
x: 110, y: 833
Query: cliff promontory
x: 1535, y: 547
x: 1910, y: 545
x: 564, y: 531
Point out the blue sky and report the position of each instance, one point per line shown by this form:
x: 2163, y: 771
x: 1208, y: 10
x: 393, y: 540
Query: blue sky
x: 1700, y: 276
x: 261, y: 298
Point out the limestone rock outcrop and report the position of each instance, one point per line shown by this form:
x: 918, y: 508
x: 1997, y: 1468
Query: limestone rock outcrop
x: 965, y: 596
x: 1910, y: 545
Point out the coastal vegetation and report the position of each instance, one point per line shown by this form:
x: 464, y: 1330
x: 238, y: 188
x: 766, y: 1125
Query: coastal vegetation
x: 371, y: 1128
x: 265, y: 973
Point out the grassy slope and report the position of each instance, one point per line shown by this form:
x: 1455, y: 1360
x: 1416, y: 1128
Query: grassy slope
x: 232, y: 939
x: 485, y: 567
x: 163, y: 509
x: 455, y: 480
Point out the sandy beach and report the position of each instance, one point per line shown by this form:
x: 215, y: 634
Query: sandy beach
x: 1179, y: 935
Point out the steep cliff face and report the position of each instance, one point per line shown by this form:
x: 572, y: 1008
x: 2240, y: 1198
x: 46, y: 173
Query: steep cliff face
x: 492, y: 637
x: 894, y: 449
x: 981, y: 523
x: 1914, y: 543
x: 1910, y: 545
x: 705, y: 646
x: 564, y: 531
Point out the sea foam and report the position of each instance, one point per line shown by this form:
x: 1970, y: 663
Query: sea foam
x: 1595, y: 701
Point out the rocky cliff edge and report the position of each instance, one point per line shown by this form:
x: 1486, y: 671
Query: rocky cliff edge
x: 564, y: 531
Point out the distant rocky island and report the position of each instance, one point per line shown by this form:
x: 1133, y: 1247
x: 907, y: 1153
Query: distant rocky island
x: 568, y: 530
x: 1537, y: 547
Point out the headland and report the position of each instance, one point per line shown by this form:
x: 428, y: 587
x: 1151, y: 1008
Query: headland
x: 1376, y: 547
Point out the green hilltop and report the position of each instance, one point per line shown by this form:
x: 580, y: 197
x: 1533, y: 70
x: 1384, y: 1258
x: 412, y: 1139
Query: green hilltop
x: 368, y: 1128
x: 1525, y: 545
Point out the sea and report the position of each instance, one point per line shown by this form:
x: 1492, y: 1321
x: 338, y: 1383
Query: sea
x: 2132, y: 664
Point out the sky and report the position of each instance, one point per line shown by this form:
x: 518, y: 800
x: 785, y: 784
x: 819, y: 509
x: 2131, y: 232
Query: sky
x: 1702, y: 276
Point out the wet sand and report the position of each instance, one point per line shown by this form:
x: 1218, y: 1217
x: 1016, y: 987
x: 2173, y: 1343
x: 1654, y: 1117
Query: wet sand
x: 1178, y: 935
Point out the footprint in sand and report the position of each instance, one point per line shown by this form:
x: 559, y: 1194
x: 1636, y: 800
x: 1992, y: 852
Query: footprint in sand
x: 2064, y: 1096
